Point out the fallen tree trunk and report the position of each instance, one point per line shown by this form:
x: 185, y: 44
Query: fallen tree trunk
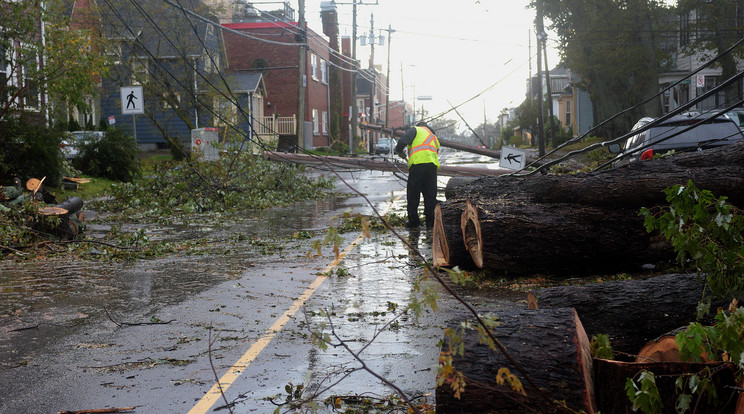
x: 527, y: 238
x: 379, y: 164
x: 631, y: 312
x: 582, y: 223
x: 552, y: 348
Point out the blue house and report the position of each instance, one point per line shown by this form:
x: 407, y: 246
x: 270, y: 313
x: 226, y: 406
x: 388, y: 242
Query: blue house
x: 174, y: 54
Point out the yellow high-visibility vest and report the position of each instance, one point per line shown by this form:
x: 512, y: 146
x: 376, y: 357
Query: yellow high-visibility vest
x: 424, y: 148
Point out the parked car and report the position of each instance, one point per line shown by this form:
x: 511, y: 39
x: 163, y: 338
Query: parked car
x: 712, y: 132
x: 737, y: 115
x: 385, y: 146
x: 72, y: 142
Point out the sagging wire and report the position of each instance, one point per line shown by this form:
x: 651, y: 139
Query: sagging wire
x: 180, y: 83
x: 627, y: 135
x: 540, y: 167
x: 701, y: 119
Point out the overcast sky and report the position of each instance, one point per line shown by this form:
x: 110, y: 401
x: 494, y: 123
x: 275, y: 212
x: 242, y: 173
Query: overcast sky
x: 449, y: 50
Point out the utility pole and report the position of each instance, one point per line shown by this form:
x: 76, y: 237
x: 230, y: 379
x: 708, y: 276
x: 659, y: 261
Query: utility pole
x: 529, y: 59
x: 403, y: 96
x: 354, y: 109
x: 387, y: 80
x: 550, y: 94
x: 485, y: 126
x: 540, y: 124
x: 373, y: 86
x: 301, y: 82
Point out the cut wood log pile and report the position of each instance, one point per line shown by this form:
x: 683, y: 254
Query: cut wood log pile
x: 585, y: 223
x: 71, y: 219
x: 631, y: 312
x: 552, y: 346
x: 575, y: 225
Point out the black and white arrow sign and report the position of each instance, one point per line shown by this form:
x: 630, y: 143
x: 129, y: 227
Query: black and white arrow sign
x: 512, y: 158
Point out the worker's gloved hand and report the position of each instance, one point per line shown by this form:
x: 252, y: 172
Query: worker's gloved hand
x: 402, y: 155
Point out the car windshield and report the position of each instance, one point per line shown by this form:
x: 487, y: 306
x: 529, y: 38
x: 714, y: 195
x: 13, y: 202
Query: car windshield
x: 383, y: 141
x: 677, y: 134
x: 84, y: 135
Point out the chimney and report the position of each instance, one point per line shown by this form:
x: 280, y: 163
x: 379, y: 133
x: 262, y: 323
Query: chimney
x: 329, y: 16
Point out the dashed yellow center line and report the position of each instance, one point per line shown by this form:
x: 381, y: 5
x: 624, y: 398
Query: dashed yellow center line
x: 215, y: 393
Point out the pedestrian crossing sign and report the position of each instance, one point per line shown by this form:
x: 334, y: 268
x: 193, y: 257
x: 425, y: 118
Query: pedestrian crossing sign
x: 132, y: 101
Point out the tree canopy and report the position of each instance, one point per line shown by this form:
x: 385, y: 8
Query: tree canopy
x: 615, y: 48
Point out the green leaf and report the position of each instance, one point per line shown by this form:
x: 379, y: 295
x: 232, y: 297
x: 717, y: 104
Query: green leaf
x: 683, y: 403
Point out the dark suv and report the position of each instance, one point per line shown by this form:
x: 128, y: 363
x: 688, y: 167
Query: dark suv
x: 385, y: 146
x: 673, y: 135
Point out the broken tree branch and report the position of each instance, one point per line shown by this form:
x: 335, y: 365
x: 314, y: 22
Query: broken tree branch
x: 120, y: 324
x: 99, y: 410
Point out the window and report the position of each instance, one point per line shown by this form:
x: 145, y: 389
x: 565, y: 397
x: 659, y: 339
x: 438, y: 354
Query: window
x: 170, y: 99
x: 29, y: 70
x: 568, y: 114
x: 211, y: 63
x: 684, y: 29
x: 323, y: 71
x: 259, y: 64
x: 226, y: 113
x: 314, y: 64
x: 3, y: 75
x: 113, y: 53
x: 210, y: 29
x: 316, y: 130
x: 139, y: 72
x: 325, y: 123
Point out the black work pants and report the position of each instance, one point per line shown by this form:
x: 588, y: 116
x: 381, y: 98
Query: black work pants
x: 422, y: 179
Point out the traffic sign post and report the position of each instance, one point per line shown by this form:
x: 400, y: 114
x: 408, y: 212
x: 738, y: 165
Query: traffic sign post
x: 132, y: 102
x: 700, y: 81
x: 512, y: 158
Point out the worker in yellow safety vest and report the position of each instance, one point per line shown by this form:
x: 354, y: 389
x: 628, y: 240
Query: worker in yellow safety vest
x: 423, y: 163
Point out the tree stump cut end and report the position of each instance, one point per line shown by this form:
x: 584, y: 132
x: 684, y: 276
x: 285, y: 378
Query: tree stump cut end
x: 471, y: 233
x: 440, y: 248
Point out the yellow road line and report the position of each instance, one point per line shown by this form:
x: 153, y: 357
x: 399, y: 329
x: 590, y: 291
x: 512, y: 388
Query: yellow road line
x: 241, y: 364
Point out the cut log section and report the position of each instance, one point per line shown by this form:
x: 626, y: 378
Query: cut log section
x: 471, y: 233
x: 582, y: 223
x: 77, y: 180
x: 550, y: 345
x: 610, y: 378
x: 53, y: 211
x: 440, y: 249
x: 663, y: 349
x: 631, y: 312
x: 520, y: 238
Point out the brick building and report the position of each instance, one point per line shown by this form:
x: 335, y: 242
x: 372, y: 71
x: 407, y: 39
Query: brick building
x: 271, y: 48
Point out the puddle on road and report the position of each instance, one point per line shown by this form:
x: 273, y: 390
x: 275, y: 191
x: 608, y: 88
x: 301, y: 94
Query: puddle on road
x: 382, y: 274
x: 41, y: 300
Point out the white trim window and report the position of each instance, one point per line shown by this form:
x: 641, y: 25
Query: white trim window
x: 169, y: 97
x: 139, y: 71
x: 29, y: 72
x: 316, y: 126
x: 4, y: 70
x: 226, y: 112
x: 324, y: 120
x: 323, y: 71
x: 314, y: 65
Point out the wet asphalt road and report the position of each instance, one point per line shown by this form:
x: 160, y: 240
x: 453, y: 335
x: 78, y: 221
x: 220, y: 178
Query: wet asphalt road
x: 79, y: 336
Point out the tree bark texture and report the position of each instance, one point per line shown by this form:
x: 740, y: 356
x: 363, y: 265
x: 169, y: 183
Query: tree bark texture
x: 610, y: 378
x: 631, y: 312
x: 552, y: 348
x: 582, y: 223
